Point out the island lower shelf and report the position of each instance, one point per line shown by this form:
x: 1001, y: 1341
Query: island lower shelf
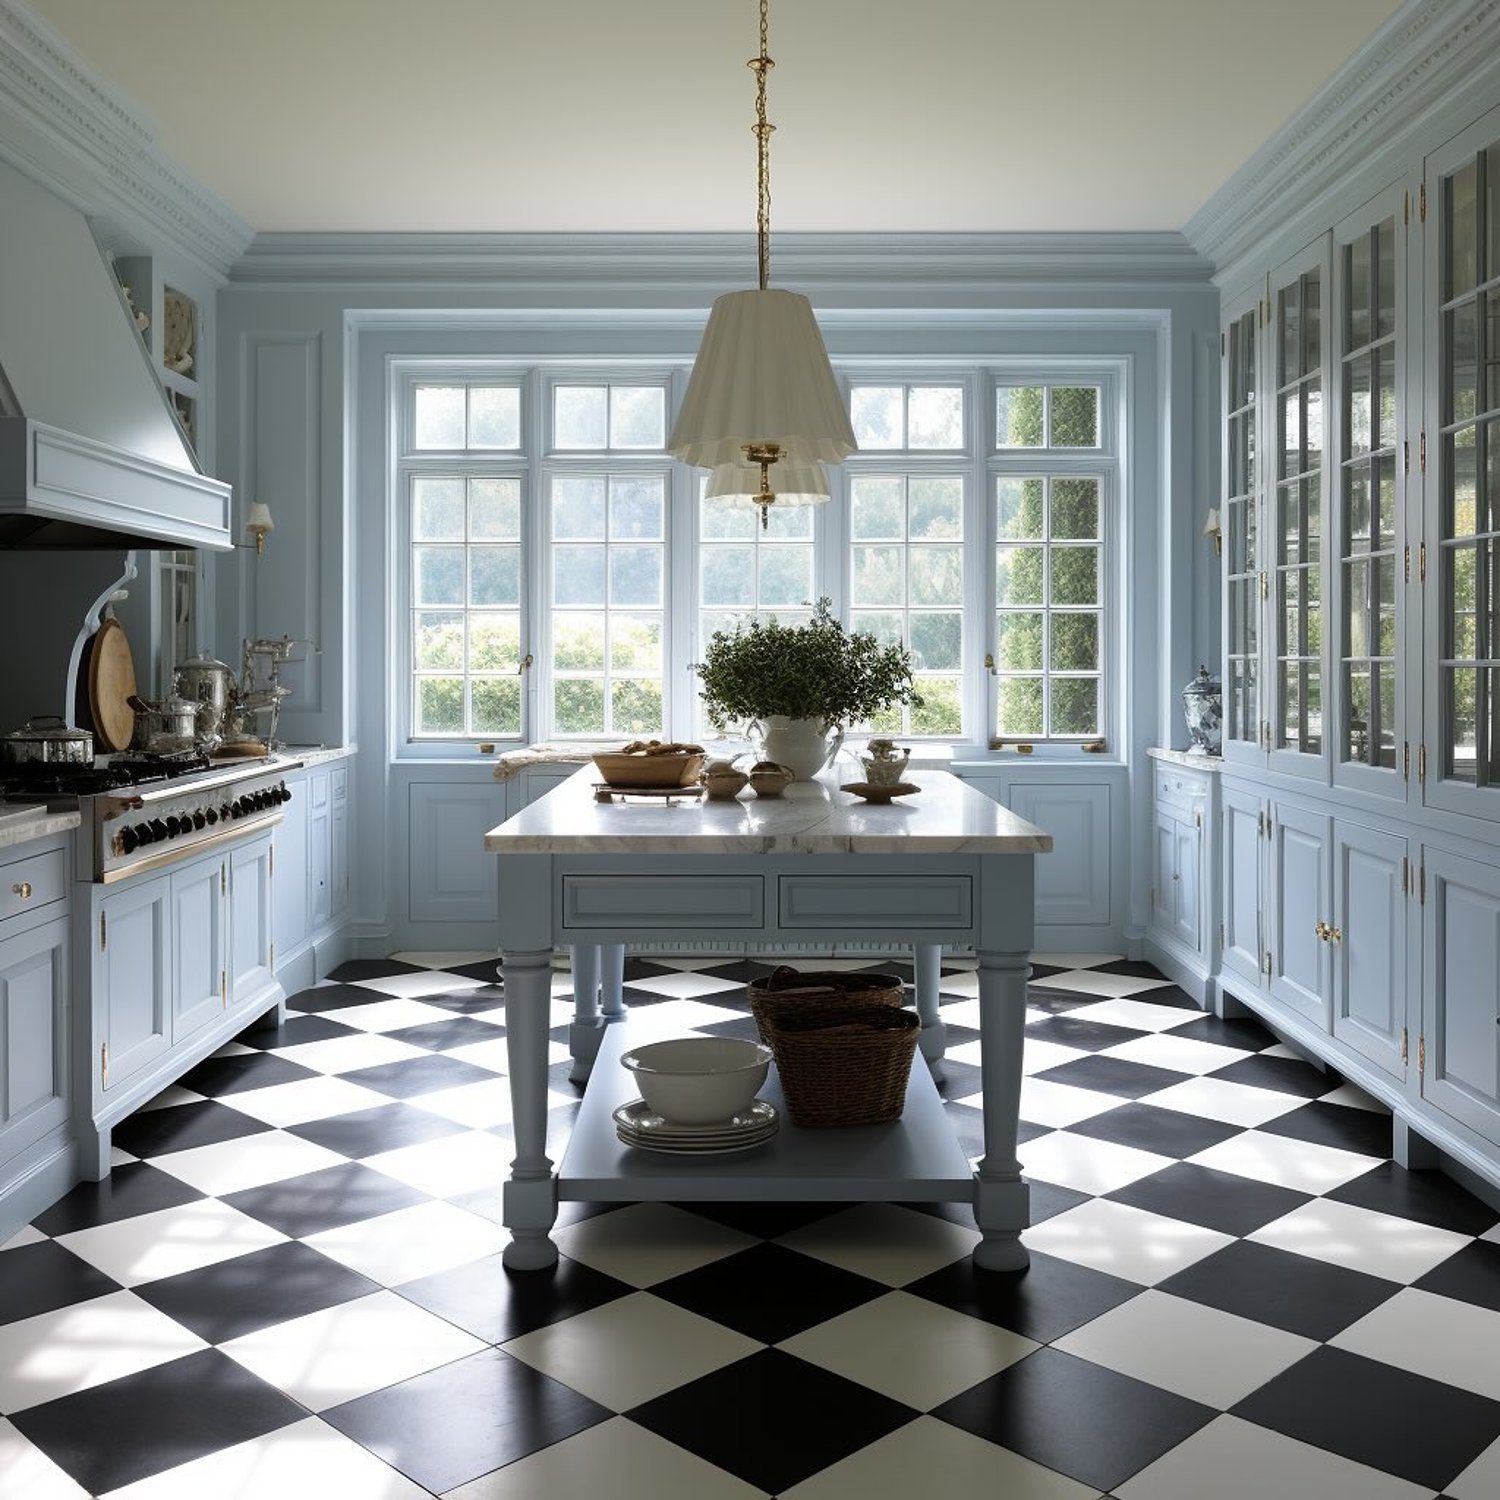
x: 916, y: 1159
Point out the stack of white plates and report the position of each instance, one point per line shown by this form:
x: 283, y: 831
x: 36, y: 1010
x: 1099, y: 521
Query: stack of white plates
x: 638, y: 1125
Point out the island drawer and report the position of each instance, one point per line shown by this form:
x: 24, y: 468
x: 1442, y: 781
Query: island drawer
x: 647, y: 902
x: 859, y: 901
x: 30, y: 883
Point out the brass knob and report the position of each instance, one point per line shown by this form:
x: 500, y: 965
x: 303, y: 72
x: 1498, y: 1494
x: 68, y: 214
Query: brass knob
x: 1321, y: 928
x: 22, y: 888
x: 1336, y: 934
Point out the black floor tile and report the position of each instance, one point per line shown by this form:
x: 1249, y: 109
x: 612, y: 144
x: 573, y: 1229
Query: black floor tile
x: 771, y: 1419
x: 1287, y: 1075
x: 1375, y: 1414
x: 443, y: 1036
x: 1168, y: 1132
x: 768, y: 1221
x: 741, y: 1027
x: 1082, y: 1034
x: 644, y: 968
x: 1131, y: 968
x: 769, y: 1292
x: 1429, y: 1197
x: 234, y: 1297
x: 333, y: 997
x: 487, y: 969
x: 1046, y: 971
x: 178, y: 1127
x: 372, y: 968
x: 1098, y: 1426
x: 466, y: 1002
x: 1348, y: 1128
x: 1167, y: 994
x: 217, y: 1076
x: 1294, y: 1292
x: 1048, y: 1199
x: 496, y: 1305
x: 1047, y: 1300
x: 1473, y: 1275
x: 420, y: 1075
x: 1057, y: 1002
x: 954, y: 1079
x: 383, y: 1127
x: 1248, y: 1036
x: 1114, y: 1075
x: 114, y: 1434
x: 1216, y: 1200
x: 743, y: 971
x: 295, y: 1030
x: 300, y: 1206
x: 42, y: 1277
x: 466, y: 1418
x: 133, y: 1189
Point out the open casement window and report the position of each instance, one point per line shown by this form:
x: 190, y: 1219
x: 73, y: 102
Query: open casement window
x: 1050, y: 646
x: 606, y: 584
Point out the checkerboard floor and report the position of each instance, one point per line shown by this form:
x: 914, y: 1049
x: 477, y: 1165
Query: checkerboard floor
x: 291, y: 1285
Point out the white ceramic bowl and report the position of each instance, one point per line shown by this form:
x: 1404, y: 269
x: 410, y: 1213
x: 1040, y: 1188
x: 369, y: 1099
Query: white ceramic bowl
x: 699, y: 1080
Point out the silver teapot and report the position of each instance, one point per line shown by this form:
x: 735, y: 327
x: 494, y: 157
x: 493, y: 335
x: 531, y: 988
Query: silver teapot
x: 209, y: 685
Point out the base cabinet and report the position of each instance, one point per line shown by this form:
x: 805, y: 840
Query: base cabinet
x: 133, y: 979
x: 1298, y: 885
x: 311, y: 878
x: 1242, y: 833
x: 33, y: 1037
x: 251, y: 957
x: 200, y: 978
x: 1369, y: 944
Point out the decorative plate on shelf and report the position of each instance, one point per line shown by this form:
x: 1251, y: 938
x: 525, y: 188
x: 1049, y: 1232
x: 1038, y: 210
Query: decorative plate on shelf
x: 873, y: 793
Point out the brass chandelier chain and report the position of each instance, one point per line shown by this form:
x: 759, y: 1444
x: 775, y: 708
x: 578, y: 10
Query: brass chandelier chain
x: 761, y: 66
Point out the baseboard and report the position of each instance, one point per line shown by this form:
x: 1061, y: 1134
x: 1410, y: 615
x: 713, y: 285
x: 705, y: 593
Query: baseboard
x: 1189, y: 978
x: 32, y: 1185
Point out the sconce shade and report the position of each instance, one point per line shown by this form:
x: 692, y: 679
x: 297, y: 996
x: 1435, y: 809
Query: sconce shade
x: 258, y: 518
x: 1211, y: 525
x: 797, y: 479
x: 762, y: 376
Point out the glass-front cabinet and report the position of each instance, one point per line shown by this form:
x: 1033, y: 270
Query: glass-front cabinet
x: 1369, y: 454
x: 1459, y: 560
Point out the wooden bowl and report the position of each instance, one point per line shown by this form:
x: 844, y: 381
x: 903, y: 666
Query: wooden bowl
x: 677, y: 768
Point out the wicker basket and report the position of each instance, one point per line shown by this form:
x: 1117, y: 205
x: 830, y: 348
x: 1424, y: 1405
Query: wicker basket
x: 845, y: 1064
x: 788, y: 992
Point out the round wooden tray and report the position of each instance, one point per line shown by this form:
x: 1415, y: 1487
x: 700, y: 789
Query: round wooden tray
x: 872, y: 793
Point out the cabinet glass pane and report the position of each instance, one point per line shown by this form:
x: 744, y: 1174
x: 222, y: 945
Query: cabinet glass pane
x: 1241, y: 540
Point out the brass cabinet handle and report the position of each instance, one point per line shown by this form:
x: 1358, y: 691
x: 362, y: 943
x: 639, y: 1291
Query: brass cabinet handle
x: 1321, y: 928
x: 22, y: 888
x: 1336, y: 934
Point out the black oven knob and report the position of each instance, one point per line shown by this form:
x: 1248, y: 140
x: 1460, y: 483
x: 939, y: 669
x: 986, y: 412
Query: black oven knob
x: 141, y: 834
x: 237, y: 808
x: 159, y: 831
x: 200, y: 819
x: 262, y: 801
x: 128, y: 840
x: 212, y: 815
x: 174, y: 825
x: 284, y: 792
x: 226, y: 812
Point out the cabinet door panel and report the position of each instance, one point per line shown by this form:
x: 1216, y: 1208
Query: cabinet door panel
x: 338, y: 860
x: 1243, y: 817
x: 1461, y: 991
x: 1187, y: 918
x: 291, y: 908
x: 1300, y: 898
x: 134, y: 977
x: 1164, y: 872
x: 1073, y: 881
x: 33, y: 1036
x: 1370, y: 946
x: 452, y: 878
x: 249, y: 920
x: 199, y: 975
x: 319, y: 851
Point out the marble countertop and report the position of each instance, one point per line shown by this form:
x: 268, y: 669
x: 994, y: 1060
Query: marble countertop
x: 34, y: 823
x: 511, y: 763
x: 308, y: 756
x: 812, y: 817
x: 1187, y: 758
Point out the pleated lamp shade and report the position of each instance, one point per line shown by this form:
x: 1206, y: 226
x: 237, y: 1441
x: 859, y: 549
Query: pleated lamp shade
x: 796, y: 479
x: 762, y: 376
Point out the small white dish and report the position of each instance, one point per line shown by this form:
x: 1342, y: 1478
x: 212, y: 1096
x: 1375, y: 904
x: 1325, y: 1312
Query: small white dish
x: 702, y: 1080
x: 638, y: 1119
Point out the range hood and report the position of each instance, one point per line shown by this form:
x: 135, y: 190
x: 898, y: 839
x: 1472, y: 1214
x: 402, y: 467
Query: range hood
x: 90, y: 454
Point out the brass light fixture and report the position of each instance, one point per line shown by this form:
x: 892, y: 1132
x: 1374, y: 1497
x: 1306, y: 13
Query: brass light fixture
x: 762, y: 391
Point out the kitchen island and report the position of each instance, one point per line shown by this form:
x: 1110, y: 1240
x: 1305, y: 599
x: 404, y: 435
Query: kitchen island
x: 815, y: 866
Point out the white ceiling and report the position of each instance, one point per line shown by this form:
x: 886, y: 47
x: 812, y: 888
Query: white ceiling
x: 472, y: 115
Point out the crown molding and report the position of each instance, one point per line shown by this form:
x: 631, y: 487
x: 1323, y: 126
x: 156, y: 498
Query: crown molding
x: 61, y: 123
x: 711, y: 262
x: 1427, y: 52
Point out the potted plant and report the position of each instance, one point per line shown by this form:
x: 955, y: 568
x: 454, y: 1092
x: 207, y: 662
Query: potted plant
x: 799, y: 684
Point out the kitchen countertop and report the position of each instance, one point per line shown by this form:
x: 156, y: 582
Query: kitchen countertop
x: 511, y: 763
x: 812, y: 817
x: 309, y: 756
x: 1186, y: 758
x: 37, y: 823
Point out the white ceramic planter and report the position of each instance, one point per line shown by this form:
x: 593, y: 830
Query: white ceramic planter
x: 803, y: 746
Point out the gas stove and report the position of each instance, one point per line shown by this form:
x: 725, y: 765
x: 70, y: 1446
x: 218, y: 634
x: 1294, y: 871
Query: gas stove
x: 37, y: 781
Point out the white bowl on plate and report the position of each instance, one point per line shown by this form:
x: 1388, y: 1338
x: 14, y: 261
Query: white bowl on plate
x: 699, y: 1080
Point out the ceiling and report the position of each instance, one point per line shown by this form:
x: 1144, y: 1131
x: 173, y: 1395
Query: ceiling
x: 477, y: 115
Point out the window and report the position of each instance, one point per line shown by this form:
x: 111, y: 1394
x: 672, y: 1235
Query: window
x: 467, y: 417
x: 594, y: 418
x: 1046, y: 416
x: 920, y: 417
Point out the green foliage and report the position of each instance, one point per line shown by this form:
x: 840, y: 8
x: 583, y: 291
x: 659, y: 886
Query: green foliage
x: 813, y: 671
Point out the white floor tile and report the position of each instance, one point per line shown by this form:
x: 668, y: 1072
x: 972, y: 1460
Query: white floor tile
x: 174, y: 1094
x: 1180, y: 1053
x: 1129, y: 1242
x: 26, y: 1473
x: 1231, y: 1103
x: 343, y: 1054
x: 1137, y: 1015
x: 1355, y: 1098
x: 306, y: 1461
x: 332, y: 1356
x: 388, y: 1015
x: 57, y: 1353
x: 1198, y: 1352
x: 491, y: 1054
x: 307, y: 1099
x: 410, y: 1242
x: 618, y: 1460
x: 1361, y: 1239
x: 1057, y: 1104
x: 909, y: 1349
x: 151, y: 1246
x: 251, y: 1161
x: 119, y: 1158
x: 413, y: 986
x: 234, y: 1049
x: 1454, y: 1342
x: 648, y: 1242
x: 477, y: 1105
x: 1304, y: 1166
x: 929, y: 1457
x: 25, y: 1235
x: 1096, y: 982
x: 1087, y: 1165
x: 1036, y: 1056
x: 683, y: 986
x: 884, y: 1242
x: 1481, y: 1480
x: 631, y: 1350
x: 1234, y: 1460
x: 450, y: 1165
x: 455, y: 960
x: 674, y: 1017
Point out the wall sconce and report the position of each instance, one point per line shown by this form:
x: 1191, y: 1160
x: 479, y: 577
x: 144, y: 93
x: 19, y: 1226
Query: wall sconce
x: 258, y: 526
x: 1211, y: 528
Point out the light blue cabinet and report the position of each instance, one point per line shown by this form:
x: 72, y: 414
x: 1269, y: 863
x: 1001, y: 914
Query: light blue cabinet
x: 1298, y: 885
x: 1369, y: 944
x: 33, y: 1037
x: 251, y: 957
x: 292, y: 919
x: 311, y: 889
x: 1242, y: 832
x: 200, y: 964
x: 452, y: 879
x: 338, y: 841
x: 132, y: 978
x: 319, y: 850
x: 1184, y: 874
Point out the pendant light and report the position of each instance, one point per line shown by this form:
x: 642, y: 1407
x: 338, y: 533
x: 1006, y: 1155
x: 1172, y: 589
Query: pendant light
x: 762, y: 394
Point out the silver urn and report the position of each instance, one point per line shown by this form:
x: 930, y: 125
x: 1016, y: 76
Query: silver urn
x: 1203, y: 708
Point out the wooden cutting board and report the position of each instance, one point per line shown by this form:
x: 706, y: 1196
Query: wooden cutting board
x: 111, y: 686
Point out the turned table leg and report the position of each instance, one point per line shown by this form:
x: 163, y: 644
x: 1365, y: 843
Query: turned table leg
x: 1001, y: 1198
x: 531, y: 1191
x: 587, y: 1027
x: 927, y: 972
x: 612, y: 980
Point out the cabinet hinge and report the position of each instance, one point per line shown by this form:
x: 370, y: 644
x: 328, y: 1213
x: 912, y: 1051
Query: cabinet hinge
x: 1422, y: 883
x: 104, y: 1065
x: 1422, y: 203
x: 1265, y: 962
x: 271, y: 862
x: 271, y: 959
x: 103, y: 932
x: 1422, y: 563
x: 1223, y: 346
x: 1422, y: 450
x: 1406, y: 207
x: 1265, y: 585
x: 1405, y: 875
x: 1403, y: 1046
x: 1406, y: 460
x: 1406, y: 565
x: 1422, y: 1056
x: 223, y: 880
x: 1260, y: 823
x: 1221, y: 934
x: 1422, y: 764
x: 224, y: 987
x: 1197, y: 817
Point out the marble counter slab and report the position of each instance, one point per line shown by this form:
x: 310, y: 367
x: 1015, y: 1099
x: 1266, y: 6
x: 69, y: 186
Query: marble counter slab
x: 309, y: 756
x: 1187, y: 758
x: 35, y: 823
x: 812, y: 817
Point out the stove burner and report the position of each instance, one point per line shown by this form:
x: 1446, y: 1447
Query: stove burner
x: 37, y: 779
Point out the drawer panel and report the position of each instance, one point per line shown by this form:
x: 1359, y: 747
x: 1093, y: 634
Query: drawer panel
x: 28, y: 884
x: 650, y: 902
x: 859, y: 901
x: 1184, y: 790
